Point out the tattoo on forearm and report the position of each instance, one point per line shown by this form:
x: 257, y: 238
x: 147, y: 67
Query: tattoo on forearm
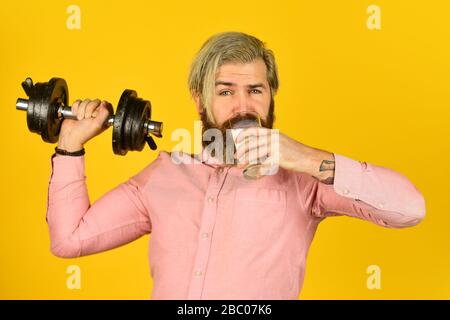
x: 327, y: 165
x: 329, y: 180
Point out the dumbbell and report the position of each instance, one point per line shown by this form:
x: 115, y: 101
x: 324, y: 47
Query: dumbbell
x: 47, y: 107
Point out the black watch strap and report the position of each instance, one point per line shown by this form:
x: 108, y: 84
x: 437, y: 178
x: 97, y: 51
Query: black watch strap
x: 67, y: 153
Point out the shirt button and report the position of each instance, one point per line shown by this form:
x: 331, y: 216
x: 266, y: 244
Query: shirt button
x: 220, y: 170
x: 205, y: 235
x: 198, y: 273
x: 381, y: 205
x: 346, y: 191
x: 210, y: 199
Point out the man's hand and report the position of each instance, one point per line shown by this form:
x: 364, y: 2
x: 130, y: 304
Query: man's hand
x: 92, y: 116
x: 271, y: 147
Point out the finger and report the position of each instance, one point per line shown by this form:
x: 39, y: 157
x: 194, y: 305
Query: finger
x: 250, y: 139
x: 103, y: 105
x: 251, y: 160
x: 269, y: 167
x: 255, y: 155
x: 75, y: 107
x: 250, y: 143
x: 109, y: 109
x: 270, y: 140
x: 90, y: 107
x: 103, y: 112
x: 81, y: 109
x: 95, y: 110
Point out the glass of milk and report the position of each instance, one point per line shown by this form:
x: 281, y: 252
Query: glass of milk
x: 251, y: 119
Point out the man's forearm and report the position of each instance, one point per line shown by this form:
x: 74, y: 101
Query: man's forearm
x: 293, y: 155
x: 319, y: 163
x: 326, y: 167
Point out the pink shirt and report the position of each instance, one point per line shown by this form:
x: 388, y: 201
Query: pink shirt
x: 214, y: 234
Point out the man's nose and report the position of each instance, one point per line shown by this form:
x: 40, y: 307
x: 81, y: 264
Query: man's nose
x: 242, y: 103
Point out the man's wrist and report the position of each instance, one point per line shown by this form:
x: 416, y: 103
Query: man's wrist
x: 323, y: 166
x: 69, y: 146
x: 317, y: 163
x: 63, y: 152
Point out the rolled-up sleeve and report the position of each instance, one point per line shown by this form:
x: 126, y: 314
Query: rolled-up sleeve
x: 365, y: 191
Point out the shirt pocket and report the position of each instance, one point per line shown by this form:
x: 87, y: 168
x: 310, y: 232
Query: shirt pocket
x: 258, y: 213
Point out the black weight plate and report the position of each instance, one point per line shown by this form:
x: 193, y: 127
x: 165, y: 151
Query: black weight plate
x: 33, y: 110
x: 128, y: 124
x: 44, y: 100
x: 56, y: 95
x: 138, y: 130
x: 119, y: 121
x: 132, y: 118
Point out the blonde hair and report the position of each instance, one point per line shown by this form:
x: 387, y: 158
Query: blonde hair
x: 223, y: 48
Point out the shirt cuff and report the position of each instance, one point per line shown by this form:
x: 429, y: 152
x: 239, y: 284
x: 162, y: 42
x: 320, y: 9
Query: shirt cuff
x: 348, y: 176
x: 67, y: 168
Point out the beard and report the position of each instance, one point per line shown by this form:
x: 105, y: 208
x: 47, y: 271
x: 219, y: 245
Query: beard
x: 227, y: 144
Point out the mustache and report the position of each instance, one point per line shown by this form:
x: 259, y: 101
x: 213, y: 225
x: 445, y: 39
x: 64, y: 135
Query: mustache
x: 228, y: 124
x: 207, y: 124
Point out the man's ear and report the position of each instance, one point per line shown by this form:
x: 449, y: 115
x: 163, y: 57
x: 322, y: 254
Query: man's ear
x: 198, y: 102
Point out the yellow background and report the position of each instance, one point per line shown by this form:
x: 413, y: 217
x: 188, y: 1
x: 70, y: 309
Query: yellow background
x: 380, y: 96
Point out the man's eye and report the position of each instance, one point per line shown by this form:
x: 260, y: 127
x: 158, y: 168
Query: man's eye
x: 225, y: 93
x: 255, y: 91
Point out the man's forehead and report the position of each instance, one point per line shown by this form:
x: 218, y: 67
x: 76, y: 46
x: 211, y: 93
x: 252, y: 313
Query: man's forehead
x: 238, y: 72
